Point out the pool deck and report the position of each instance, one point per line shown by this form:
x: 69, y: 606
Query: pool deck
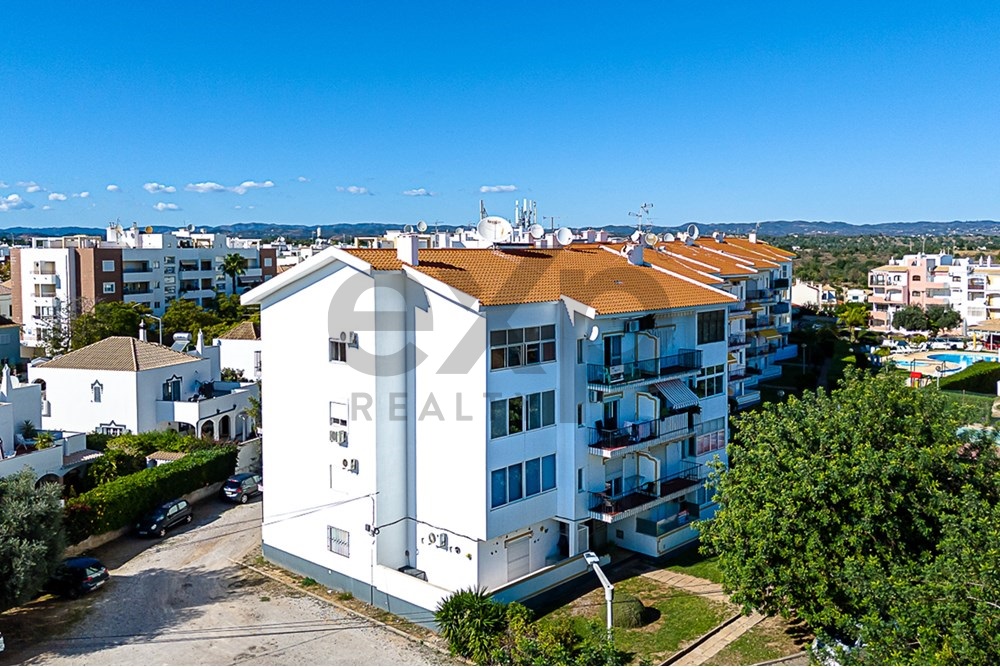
x: 924, y: 360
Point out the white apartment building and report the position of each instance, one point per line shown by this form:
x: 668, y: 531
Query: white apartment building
x: 129, y: 265
x: 481, y: 417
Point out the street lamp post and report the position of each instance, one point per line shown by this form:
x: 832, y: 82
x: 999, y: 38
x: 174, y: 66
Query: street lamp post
x: 609, y: 588
x: 159, y: 326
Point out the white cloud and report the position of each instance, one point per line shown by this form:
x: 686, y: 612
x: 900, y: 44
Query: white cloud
x: 163, y: 206
x: 207, y: 186
x: 302, y: 179
x: 353, y: 189
x: 30, y: 186
x: 154, y: 188
x: 113, y: 188
x: 418, y: 192
x: 243, y: 187
x: 3, y: 184
x: 57, y: 196
x: 497, y: 188
x: 46, y: 208
x: 82, y: 195
x: 13, y: 203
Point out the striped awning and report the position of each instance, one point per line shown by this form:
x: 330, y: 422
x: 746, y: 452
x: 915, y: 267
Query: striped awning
x: 732, y: 359
x: 769, y: 334
x: 678, y: 394
x: 756, y: 307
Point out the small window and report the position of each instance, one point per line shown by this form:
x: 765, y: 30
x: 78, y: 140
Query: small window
x: 579, y: 479
x: 579, y: 350
x: 98, y: 391
x: 268, y: 261
x: 109, y: 288
x: 548, y: 472
x: 108, y: 265
x: 338, y: 350
x: 338, y: 541
x: 579, y: 414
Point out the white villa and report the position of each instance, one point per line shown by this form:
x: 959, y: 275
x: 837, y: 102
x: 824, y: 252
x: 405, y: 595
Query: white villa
x: 122, y: 384
x: 482, y: 417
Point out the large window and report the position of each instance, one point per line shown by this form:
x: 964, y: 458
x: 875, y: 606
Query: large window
x: 711, y: 327
x: 710, y: 442
x: 172, y: 389
x: 338, y: 541
x: 522, y: 480
x: 711, y: 381
x: 511, y: 348
x: 338, y: 350
x: 507, y: 415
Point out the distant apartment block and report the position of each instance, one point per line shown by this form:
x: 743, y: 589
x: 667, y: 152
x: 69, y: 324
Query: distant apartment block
x: 130, y: 265
x: 482, y: 417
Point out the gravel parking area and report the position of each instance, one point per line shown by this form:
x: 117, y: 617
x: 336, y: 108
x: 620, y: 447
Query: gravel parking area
x: 183, y: 601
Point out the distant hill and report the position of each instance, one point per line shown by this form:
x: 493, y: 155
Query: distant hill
x: 769, y: 229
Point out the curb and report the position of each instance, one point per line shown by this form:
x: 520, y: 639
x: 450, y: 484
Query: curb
x: 777, y: 661
x: 352, y: 612
x: 675, y: 658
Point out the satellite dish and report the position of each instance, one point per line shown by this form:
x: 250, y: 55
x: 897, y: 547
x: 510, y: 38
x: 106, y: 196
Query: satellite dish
x: 668, y: 238
x: 693, y: 232
x: 494, y: 228
x: 715, y: 235
x: 651, y: 239
x: 407, y: 229
x: 594, y: 333
x: 202, y: 230
x: 460, y: 231
x: 564, y: 235
x: 536, y: 231
x: 149, y: 229
x: 636, y: 235
x: 190, y: 228
x: 421, y: 226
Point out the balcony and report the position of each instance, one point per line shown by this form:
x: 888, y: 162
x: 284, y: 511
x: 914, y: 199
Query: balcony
x: 739, y: 310
x: 641, y: 495
x: 781, y: 308
x: 779, y: 283
x: 747, y: 398
x: 759, y: 323
x: 686, y: 513
x: 44, y: 279
x: 128, y: 290
x: 212, y: 399
x: 612, y: 443
x: 738, y: 372
x: 737, y: 340
x: 760, y: 295
x: 604, y: 378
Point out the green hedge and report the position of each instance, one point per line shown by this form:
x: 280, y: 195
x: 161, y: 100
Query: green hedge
x: 120, y: 502
x: 979, y: 378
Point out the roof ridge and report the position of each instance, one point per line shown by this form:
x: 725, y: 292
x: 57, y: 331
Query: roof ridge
x: 135, y: 353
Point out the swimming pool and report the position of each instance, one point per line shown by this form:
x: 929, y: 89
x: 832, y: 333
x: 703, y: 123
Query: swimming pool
x: 963, y: 359
x: 945, y: 363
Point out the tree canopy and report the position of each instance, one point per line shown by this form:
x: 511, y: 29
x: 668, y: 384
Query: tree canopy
x: 942, y: 317
x: 234, y: 265
x: 911, y: 318
x: 107, y: 318
x: 863, y: 513
x: 31, y: 536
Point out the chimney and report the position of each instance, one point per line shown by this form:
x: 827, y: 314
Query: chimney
x: 752, y: 237
x: 633, y: 251
x: 142, y: 331
x: 407, y: 248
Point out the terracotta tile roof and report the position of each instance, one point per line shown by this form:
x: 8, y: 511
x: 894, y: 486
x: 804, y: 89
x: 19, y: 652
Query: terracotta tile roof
x: 890, y: 267
x: 762, y: 248
x: 120, y: 353
x: 165, y: 456
x: 243, y: 331
x: 682, y: 268
x: 5, y: 287
x: 589, y: 273
x: 722, y: 264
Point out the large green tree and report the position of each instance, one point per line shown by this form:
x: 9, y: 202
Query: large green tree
x: 863, y: 513
x: 853, y: 316
x: 234, y: 265
x: 31, y: 536
x: 108, y: 318
x: 187, y: 316
x: 911, y: 318
x: 942, y: 317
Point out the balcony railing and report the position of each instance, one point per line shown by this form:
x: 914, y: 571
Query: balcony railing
x: 759, y: 294
x: 640, y: 495
x: 736, y: 340
x: 687, y: 512
x: 685, y: 361
x: 759, y: 323
x: 780, y: 283
x: 737, y: 372
x: 609, y: 443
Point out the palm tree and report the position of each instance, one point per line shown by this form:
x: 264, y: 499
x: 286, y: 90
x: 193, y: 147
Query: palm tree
x: 854, y: 316
x: 234, y: 265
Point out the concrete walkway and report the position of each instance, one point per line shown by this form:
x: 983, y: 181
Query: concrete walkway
x: 711, y: 591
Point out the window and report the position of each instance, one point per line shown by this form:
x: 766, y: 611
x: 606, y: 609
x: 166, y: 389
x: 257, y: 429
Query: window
x: 267, y: 261
x: 579, y: 480
x: 579, y: 414
x: 710, y: 442
x: 168, y: 259
x: 109, y: 288
x: 523, y: 480
x: 256, y: 361
x: 338, y: 541
x: 506, y: 416
x: 511, y: 348
x: 541, y: 410
x: 338, y: 423
x: 710, y: 381
x: 111, y: 429
x: 172, y: 389
x: 97, y: 391
x: 579, y: 350
x: 711, y: 326
x: 108, y: 265
x: 916, y: 278
x: 338, y: 350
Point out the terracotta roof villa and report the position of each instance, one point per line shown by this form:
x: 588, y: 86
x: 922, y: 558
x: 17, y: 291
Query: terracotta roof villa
x: 120, y: 353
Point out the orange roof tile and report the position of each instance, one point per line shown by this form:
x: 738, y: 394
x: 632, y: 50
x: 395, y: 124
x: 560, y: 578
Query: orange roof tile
x: 723, y: 264
x: 761, y: 248
x: 589, y: 273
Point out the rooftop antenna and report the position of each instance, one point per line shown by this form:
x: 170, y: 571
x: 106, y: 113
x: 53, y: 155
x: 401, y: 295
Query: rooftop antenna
x: 642, y: 213
x: 552, y: 221
x: 525, y: 213
x: 482, y: 209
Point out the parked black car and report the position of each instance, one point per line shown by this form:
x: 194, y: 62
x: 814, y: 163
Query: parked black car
x: 77, y: 576
x: 239, y: 488
x: 164, y: 517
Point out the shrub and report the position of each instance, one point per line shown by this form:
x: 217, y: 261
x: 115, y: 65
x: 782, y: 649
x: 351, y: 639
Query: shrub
x: 979, y: 378
x: 120, y: 502
x: 144, y: 444
x: 627, y: 611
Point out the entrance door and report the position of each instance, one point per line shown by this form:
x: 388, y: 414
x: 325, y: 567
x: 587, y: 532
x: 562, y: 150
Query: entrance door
x: 518, y: 563
x: 610, y: 415
x: 612, y: 350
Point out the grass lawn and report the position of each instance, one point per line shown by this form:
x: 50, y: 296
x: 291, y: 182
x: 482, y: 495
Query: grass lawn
x: 675, y: 619
x: 695, y: 564
x: 770, y: 639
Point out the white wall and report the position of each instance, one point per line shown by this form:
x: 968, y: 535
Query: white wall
x: 239, y: 354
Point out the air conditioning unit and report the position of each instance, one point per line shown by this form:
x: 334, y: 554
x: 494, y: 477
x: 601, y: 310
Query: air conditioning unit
x: 352, y: 339
x: 350, y: 465
x: 632, y: 326
x: 340, y: 437
x: 595, y: 396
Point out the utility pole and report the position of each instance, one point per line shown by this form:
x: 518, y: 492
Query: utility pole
x: 552, y: 221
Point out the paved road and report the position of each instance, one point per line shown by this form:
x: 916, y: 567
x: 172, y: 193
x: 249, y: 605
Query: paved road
x: 182, y: 601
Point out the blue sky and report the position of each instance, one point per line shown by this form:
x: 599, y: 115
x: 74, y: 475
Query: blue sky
x: 315, y: 113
